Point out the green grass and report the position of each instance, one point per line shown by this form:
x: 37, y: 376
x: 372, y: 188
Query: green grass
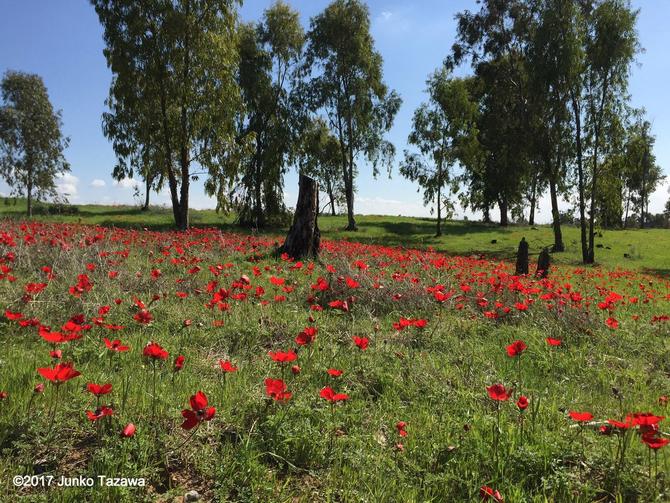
x: 303, y: 450
x: 646, y: 250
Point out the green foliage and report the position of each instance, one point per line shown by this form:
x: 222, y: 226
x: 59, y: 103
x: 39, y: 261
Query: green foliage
x: 270, y: 54
x: 345, y: 82
x: 320, y: 157
x: 551, y: 85
x: 610, y: 46
x: 31, y: 141
x: 443, y: 131
x: 494, y: 40
x: 173, y: 95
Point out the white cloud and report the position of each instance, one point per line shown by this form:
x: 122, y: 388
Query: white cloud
x: 394, y: 22
x: 97, y: 183
x: 127, y: 183
x: 66, y: 185
x: 381, y: 206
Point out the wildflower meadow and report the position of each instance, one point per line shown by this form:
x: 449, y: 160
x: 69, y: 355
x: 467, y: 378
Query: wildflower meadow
x: 170, y: 366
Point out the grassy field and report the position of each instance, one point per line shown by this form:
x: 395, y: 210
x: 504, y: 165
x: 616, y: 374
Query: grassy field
x: 645, y: 249
x: 421, y: 339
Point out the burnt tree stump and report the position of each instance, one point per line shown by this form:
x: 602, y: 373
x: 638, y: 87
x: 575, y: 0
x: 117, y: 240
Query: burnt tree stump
x: 522, y: 257
x: 543, y: 264
x: 303, y: 238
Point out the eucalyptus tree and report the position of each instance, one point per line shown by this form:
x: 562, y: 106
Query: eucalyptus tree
x: 270, y: 53
x: 320, y: 158
x: 643, y: 174
x: 441, y: 128
x: 344, y: 82
x: 31, y: 141
x: 173, y: 97
x: 610, y: 48
x: 550, y: 62
x: 494, y: 41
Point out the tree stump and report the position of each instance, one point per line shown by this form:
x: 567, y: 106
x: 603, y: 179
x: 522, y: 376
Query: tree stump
x: 522, y: 257
x: 304, y: 238
x: 543, y: 263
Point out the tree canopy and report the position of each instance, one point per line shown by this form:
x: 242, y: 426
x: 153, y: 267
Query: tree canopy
x: 173, y: 96
x: 345, y: 83
x: 31, y: 141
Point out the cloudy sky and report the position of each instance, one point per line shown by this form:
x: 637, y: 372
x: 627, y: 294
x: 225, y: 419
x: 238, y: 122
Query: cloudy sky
x: 62, y: 42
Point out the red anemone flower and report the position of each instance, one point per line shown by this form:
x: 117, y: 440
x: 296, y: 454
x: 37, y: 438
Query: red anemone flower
x: 99, y: 413
x: 655, y: 442
x: 128, y: 431
x: 334, y: 372
x: 645, y: 419
x: 516, y: 348
x: 115, y: 345
x: 361, y: 342
x: 628, y: 423
x: 282, y: 357
x: 276, y: 388
x: 143, y: 316
x: 155, y: 351
x: 330, y: 395
x: 580, y: 417
x: 400, y: 426
x: 179, y: 363
x: 487, y: 493
x: 612, y: 323
x: 61, y: 373
x: 226, y: 366
x: 307, y: 336
x: 498, y: 392
x: 522, y: 403
x: 99, y: 389
x: 199, y: 411
x: 553, y: 342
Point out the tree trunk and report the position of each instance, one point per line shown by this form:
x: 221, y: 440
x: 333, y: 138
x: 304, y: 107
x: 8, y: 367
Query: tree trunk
x: 487, y: 214
x: 438, y: 232
x: 183, y: 206
x: 502, y: 204
x: 594, y: 178
x: 543, y: 264
x: 522, y: 258
x: 304, y: 238
x: 644, y: 195
x: 29, y: 190
x: 331, y: 196
x: 258, y: 182
x: 183, y: 223
x: 439, y: 200
x: 580, y: 176
x: 174, y: 198
x: 147, y: 191
x: 556, y: 217
x: 590, y: 259
x: 625, y: 218
x: 349, y: 193
x: 533, y: 200
x: 332, y: 203
x: 350, y: 179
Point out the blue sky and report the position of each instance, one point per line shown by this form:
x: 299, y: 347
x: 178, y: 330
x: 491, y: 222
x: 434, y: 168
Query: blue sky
x: 62, y: 42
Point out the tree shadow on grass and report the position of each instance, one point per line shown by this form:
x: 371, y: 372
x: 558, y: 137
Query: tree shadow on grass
x: 663, y: 273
